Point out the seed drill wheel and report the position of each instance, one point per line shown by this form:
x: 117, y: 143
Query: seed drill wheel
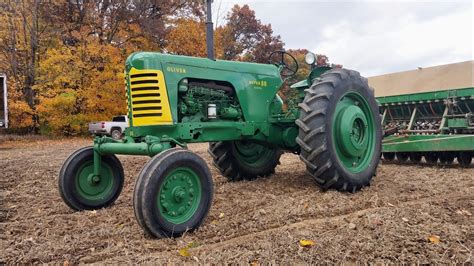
x: 446, y: 158
x: 464, y: 158
x: 431, y: 157
x: 81, y: 190
x: 238, y: 160
x: 173, y: 193
x: 402, y: 157
x: 389, y: 156
x: 415, y: 157
x: 340, y: 131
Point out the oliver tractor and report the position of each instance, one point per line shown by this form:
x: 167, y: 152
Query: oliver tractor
x: 333, y: 125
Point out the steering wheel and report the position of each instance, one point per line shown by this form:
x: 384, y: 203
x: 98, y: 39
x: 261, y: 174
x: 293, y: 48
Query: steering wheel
x: 287, y: 63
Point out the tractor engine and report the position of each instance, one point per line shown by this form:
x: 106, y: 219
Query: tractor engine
x: 201, y: 100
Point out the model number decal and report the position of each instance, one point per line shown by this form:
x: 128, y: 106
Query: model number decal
x: 260, y: 83
x: 176, y: 69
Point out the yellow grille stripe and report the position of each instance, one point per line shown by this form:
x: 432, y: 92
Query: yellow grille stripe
x: 152, y: 78
x: 145, y: 85
x: 135, y: 98
x: 145, y: 92
x: 155, y: 81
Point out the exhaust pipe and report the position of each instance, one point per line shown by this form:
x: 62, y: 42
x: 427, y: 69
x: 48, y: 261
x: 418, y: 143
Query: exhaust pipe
x: 209, y: 31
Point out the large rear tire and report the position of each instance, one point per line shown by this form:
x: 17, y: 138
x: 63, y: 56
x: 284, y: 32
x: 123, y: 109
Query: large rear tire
x: 340, y: 131
x: 244, y: 160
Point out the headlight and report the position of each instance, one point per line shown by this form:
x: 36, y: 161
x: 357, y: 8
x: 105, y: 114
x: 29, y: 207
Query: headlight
x: 310, y: 58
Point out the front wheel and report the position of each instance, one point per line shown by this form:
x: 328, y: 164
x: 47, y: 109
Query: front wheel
x: 81, y: 190
x: 173, y: 193
x: 340, y: 131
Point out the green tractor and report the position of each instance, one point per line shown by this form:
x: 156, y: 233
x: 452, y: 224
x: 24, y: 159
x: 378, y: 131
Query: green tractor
x: 333, y: 124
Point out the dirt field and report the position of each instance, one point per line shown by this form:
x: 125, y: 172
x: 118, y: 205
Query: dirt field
x: 250, y: 222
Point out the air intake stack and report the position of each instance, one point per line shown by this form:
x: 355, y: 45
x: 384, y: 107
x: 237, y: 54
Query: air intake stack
x: 209, y: 31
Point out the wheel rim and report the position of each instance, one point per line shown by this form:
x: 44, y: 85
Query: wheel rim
x: 179, y: 195
x: 93, y: 188
x: 116, y: 134
x: 252, y: 154
x: 353, y: 132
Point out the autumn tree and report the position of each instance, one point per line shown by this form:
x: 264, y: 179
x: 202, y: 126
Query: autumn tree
x: 244, y: 36
x: 64, y: 59
x: 22, y: 31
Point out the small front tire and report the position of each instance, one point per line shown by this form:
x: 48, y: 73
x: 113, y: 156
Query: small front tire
x: 173, y: 193
x: 77, y: 187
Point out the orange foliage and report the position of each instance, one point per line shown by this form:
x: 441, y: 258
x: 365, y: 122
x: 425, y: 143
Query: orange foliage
x: 188, y: 37
x: 77, y: 85
x: 64, y: 59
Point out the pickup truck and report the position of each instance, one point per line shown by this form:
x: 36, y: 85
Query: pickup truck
x: 115, y: 128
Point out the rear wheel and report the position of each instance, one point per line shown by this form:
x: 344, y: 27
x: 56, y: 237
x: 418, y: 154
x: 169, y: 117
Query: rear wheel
x: 173, y: 193
x: 81, y: 190
x: 340, y: 131
x: 464, y: 158
x: 239, y: 160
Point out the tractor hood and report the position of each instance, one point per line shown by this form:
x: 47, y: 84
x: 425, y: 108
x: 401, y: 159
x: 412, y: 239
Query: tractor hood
x: 153, y: 60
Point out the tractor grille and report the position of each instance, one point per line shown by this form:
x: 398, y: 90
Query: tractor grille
x: 148, y: 98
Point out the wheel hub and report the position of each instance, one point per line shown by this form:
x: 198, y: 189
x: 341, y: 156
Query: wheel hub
x: 93, y: 179
x: 354, y: 132
x: 351, y: 130
x: 179, y: 195
x: 93, y: 187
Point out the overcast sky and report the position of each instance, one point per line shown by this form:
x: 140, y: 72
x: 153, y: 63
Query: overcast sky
x: 373, y: 37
